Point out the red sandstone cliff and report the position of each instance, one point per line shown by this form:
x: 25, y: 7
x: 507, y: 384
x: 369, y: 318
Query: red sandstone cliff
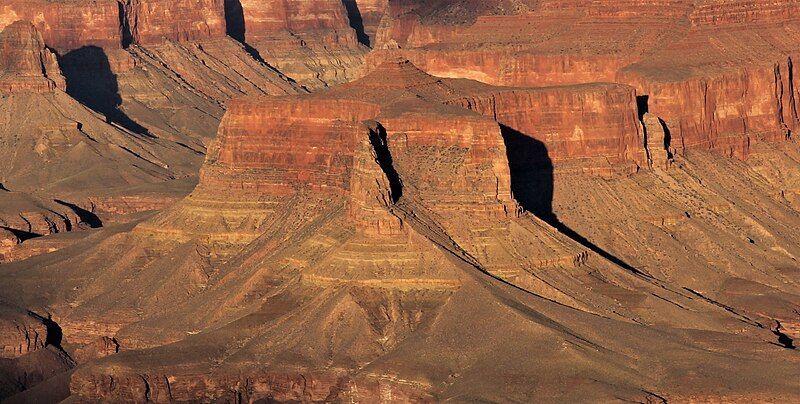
x: 26, y: 65
x: 152, y: 21
x: 69, y: 24
x: 682, y: 58
x: 310, y: 41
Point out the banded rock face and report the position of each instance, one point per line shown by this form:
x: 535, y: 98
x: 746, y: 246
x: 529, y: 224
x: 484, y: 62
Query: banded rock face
x: 68, y: 24
x: 354, y: 249
x: 25, y: 63
x: 310, y: 41
x: 153, y: 21
x: 670, y: 51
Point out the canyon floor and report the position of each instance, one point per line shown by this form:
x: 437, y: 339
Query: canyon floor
x: 399, y: 201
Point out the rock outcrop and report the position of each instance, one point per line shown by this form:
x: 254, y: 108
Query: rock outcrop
x: 310, y: 41
x: 148, y: 22
x: 26, y: 64
x: 604, y: 186
x: 725, y: 94
x: 68, y: 24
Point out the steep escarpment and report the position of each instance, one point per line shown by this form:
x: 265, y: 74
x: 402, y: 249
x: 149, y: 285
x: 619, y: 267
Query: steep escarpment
x: 27, y: 66
x: 716, y: 72
x: 310, y: 41
x: 607, y: 187
x: 70, y: 24
x: 400, y: 278
x: 153, y: 21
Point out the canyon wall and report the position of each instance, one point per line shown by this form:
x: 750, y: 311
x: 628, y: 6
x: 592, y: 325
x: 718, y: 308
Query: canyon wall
x: 68, y: 24
x: 251, y: 141
x: 25, y: 63
x: 573, y: 122
x: 705, y: 102
x: 309, y: 41
x: 152, y: 21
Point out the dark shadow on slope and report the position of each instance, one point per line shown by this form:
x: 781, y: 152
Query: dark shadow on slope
x: 22, y: 235
x: 380, y: 145
x: 54, y: 332
x: 236, y: 28
x: 3, y: 188
x: 783, y: 339
x: 532, y: 185
x: 86, y: 216
x: 356, y: 21
x: 91, y: 81
x: 234, y: 20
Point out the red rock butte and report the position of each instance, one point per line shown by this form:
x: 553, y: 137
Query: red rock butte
x: 399, y: 201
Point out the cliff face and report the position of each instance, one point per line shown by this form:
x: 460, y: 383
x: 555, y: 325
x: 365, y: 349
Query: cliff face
x: 153, y: 21
x: 365, y: 218
x: 579, y: 122
x: 310, y: 41
x: 68, y: 25
x: 706, y: 102
x: 246, y: 145
x: 25, y: 64
x: 561, y: 189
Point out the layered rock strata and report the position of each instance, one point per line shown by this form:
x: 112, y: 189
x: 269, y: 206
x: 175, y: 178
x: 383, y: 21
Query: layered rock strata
x: 70, y: 24
x: 310, y: 41
x: 731, y: 90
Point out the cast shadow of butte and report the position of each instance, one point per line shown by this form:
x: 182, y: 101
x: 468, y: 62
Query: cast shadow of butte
x: 533, y: 183
x: 91, y: 81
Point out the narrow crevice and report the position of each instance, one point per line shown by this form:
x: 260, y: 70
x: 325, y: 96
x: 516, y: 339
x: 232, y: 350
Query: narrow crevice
x: 642, y: 105
x: 356, y: 21
x: 126, y: 36
x: 234, y: 20
x: 383, y: 156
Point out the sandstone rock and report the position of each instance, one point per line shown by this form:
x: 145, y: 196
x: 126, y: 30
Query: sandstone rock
x: 657, y: 142
x: 68, y: 24
x: 153, y: 21
x: 310, y: 41
x: 25, y: 64
x: 574, y: 44
x: 418, y: 238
